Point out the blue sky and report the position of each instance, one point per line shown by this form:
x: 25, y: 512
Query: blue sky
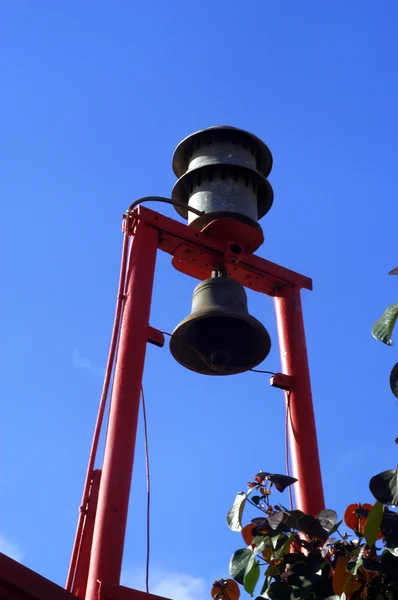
x: 95, y: 96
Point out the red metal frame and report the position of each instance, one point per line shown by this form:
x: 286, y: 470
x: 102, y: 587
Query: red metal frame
x: 301, y: 421
x: 98, y: 551
x: 111, y: 519
x: 195, y: 253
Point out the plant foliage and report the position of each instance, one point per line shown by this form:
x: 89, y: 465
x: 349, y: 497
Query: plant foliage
x: 289, y: 555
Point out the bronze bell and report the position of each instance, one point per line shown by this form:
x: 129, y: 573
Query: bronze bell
x: 220, y: 337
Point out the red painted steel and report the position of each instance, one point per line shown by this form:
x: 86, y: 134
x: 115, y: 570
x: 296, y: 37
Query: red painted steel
x: 17, y: 582
x: 101, y: 408
x: 80, y: 579
x: 110, y: 524
x: 110, y: 592
x: 302, y: 432
x: 194, y: 253
x: 198, y: 252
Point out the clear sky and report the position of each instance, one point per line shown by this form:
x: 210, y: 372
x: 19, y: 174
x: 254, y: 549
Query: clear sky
x: 95, y: 97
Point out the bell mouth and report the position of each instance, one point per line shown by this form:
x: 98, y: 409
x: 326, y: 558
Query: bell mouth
x: 212, y: 342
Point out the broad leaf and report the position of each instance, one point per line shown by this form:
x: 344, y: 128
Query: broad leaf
x: 383, y: 328
x: 234, y: 516
x: 354, y: 565
x: 389, y: 528
x: 285, y: 546
x: 373, y: 523
x: 394, y: 380
x: 262, y: 475
x: 384, y: 487
x: 281, y: 482
x: 312, y: 527
x: 277, y: 520
x: 327, y: 519
x: 343, y: 581
x: 265, y: 588
x: 239, y: 563
x: 251, y: 578
x: 293, y: 518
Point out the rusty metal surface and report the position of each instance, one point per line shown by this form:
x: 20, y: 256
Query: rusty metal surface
x: 182, y: 152
x: 222, y: 171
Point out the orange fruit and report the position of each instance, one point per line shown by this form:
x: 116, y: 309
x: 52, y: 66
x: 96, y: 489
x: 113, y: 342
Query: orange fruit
x: 225, y: 589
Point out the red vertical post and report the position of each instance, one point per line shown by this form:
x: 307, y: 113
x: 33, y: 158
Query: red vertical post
x: 111, y: 520
x: 302, y: 432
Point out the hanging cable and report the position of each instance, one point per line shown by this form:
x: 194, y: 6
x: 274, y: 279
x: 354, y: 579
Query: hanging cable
x: 101, y: 411
x: 166, y: 201
x: 148, y: 487
x: 265, y: 372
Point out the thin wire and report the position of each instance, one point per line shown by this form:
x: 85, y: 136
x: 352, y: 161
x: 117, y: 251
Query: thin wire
x: 166, y: 201
x: 148, y: 487
x: 203, y: 357
x: 287, y: 449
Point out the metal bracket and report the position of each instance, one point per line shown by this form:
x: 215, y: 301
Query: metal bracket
x: 155, y: 337
x: 282, y: 381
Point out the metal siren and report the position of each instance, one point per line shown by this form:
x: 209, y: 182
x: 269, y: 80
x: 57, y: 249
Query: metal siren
x: 223, y: 172
x: 220, y: 337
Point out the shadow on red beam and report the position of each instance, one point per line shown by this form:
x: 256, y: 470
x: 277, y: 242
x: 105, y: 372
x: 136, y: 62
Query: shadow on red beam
x: 110, y: 592
x: 20, y: 583
x: 195, y: 254
x: 17, y: 582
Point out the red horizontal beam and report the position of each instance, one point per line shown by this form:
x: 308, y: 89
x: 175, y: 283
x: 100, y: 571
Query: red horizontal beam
x: 19, y: 582
x: 196, y: 254
x: 119, y: 592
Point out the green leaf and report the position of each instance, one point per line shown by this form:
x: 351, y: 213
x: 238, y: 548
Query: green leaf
x: 285, y: 548
x: 396, y: 440
x: 373, y: 523
x: 239, y: 562
x: 234, y: 516
x: 251, y: 578
x: 271, y: 571
x: 354, y: 565
x: 256, y: 499
x: 394, y: 380
x: 383, y: 328
x: 327, y: 519
x: 384, y: 487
